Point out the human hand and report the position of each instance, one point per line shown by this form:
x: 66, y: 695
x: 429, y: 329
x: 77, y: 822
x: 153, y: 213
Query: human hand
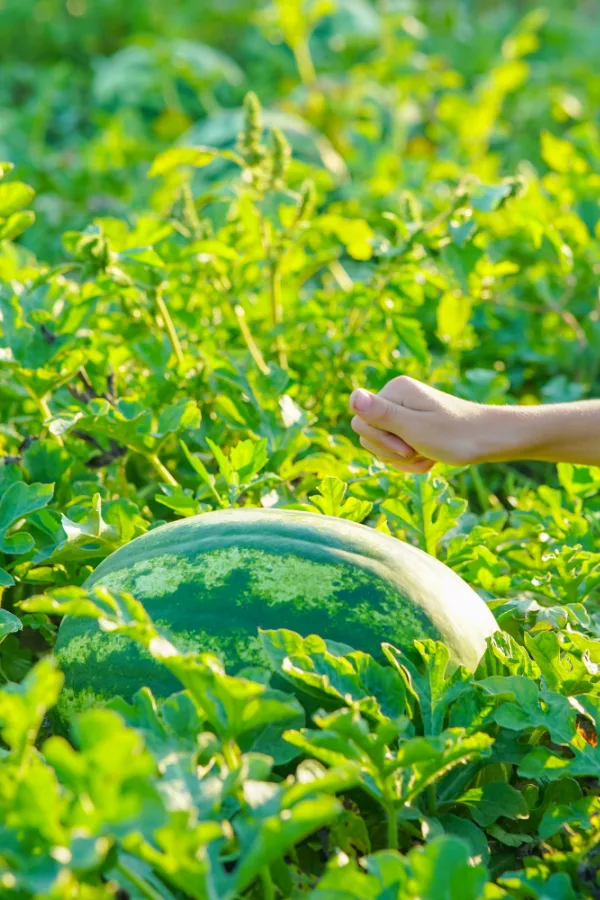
x: 411, y: 426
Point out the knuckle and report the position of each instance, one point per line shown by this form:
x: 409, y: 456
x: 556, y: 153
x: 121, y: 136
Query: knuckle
x: 386, y: 412
x: 402, y: 381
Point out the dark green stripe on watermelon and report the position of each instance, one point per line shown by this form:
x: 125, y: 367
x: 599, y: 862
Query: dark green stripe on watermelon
x: 212, y: 581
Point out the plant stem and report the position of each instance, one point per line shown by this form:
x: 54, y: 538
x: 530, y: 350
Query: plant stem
x: 191, y: 216
x: 230, y: 754
x: 163, y: 471
x: 431, y: 800
x: 304, y: 62
x: 341, y: 276
x: 140, y: 883
x: 392, y: 827
x: 249, y: 339
x: 267, y: 884
x: 166, y: 317
x: 480, y: 490
x: 277, y: 309
x: 47, y: 414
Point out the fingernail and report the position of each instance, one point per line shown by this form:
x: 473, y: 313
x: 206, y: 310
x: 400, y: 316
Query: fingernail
x: 361, y: 400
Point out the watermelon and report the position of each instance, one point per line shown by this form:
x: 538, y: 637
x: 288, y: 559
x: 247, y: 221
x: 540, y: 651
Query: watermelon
x: 210, y: 582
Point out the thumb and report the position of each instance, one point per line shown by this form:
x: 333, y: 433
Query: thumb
x: 376, y: 410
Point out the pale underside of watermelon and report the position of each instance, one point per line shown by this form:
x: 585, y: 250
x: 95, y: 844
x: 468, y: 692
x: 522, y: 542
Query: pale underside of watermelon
x: 210, y: 582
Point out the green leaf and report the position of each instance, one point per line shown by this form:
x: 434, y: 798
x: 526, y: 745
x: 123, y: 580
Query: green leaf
x: 330, y: 501
x: 527, y: 707
x: 453, y: 315
x: 17, y: 502
x: 23, y: 707
x: 432, y: 682
x: 46, y: 461
x: 488, y: 197
x: 248, y: 458
x: 179, y: 501
x: 355, y: 234
x: 494, y: 801
x: 112, y: 610
x: 278, y: 834
x: 233, y: 706
x: 8, y: 624
x: 562, y: 670
x: 353, y: 679
x: 201, y: 470
x: 16, y: 224
x: 581, y: 815
x: 137, y: 877
x: 197, y: 157
x: 427, y: 512
x: 86, y: 538
x: 530, y: 885
x: 179, y: 417
x: 470, y: 834
x: 6, y: 580
x: 223, y: 463
x: 505, y: 656
x: 463, y: 232
x: 14, y: 195
x: 557, y: 153
x: 442, y: 871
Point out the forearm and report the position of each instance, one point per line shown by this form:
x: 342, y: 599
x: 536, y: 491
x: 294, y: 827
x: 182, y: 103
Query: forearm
x: 559, y: 432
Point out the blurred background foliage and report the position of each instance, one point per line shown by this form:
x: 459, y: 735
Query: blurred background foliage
x: 404, y: 90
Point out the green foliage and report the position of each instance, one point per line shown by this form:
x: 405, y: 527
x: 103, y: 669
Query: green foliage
x: 234, y: 219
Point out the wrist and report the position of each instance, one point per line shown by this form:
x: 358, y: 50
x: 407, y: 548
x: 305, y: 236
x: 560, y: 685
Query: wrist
x: 506, y: 433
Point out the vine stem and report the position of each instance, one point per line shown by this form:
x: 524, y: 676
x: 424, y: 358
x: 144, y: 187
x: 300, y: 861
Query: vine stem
x: 392, y: 828
x: 341, y: 276
x: 47, y: 414
x: 304, y: 62
x: 163, y: 471
x: 431, y: 800
x: 230, y: 754
x: 249, y: 339
x: 190, y: 209
x: 267, y: 884
x: 166, y: 317
x: 277, y: 310
x: 480, y: 490
x: 140, y: 883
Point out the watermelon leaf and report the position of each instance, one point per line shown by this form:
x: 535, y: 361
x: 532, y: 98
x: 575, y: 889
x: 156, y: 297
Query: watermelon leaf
x: 331, y: 501
x: 430, y: 680
x: 351, y: 678
x: 427, y: 512
x: 201, y: 470
x: 233, y: 706
x: 6, y: 580
x: 23, y: 706
x: 9, y: 624
x: 16, y: 503
x: 275, y: 835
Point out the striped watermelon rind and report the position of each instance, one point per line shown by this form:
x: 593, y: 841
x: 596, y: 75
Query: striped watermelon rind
x: 211, y: 581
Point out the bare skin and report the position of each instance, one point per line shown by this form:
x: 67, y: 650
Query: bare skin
x: 411, y: 426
